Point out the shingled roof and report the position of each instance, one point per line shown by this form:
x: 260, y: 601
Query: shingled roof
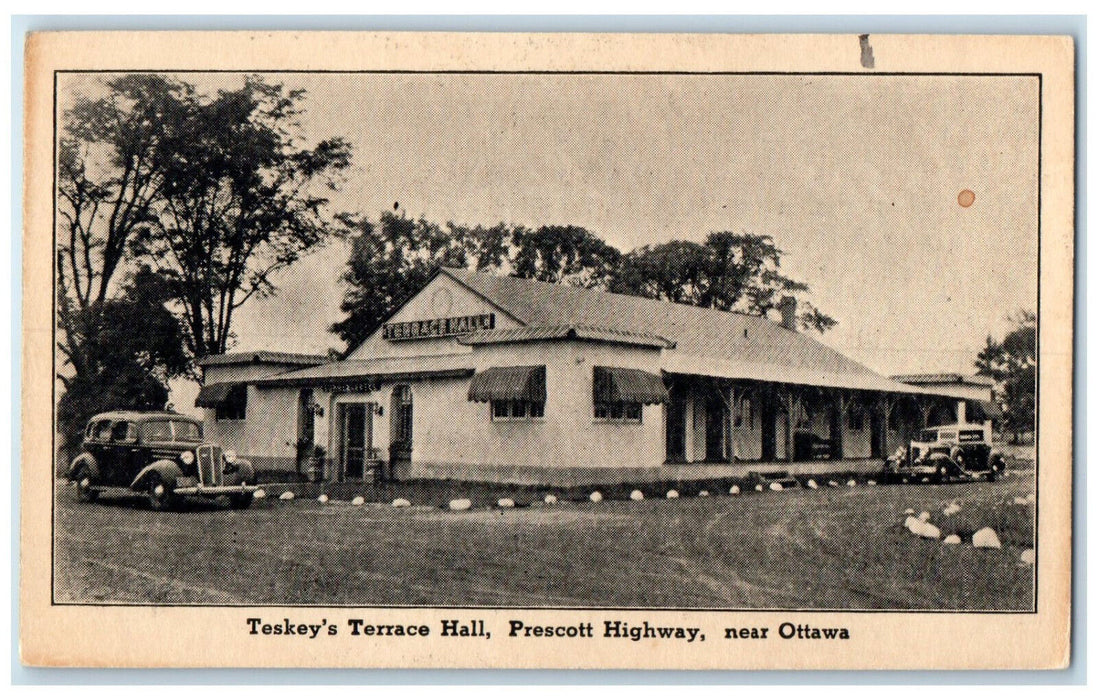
x: 707, y: 341
x: 263, y: 357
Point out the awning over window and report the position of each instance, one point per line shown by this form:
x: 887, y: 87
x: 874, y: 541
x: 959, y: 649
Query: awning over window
x: 213, y: 395
x: 988, y: 409
x: 509, y: 383
x: 614, y: 384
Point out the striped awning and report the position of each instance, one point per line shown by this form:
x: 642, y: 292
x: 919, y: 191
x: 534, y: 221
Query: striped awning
x: 989, y: 409
x: 616, y: 384
x: 509, y: 383
x: 213, y: 395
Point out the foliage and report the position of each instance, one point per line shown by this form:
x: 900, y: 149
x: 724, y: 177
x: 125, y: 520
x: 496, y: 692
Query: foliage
x: 564, y: 254
x: 240, y: 201
x: 1012, y: 364
x: 729, y: 271
x: 132, y: 345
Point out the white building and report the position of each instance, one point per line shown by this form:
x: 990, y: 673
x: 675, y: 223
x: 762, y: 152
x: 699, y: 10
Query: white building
x: 496, y: 378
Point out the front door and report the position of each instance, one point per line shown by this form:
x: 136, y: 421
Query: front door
x: 715, y: 421
x: 676, y: 428
x: 400, y: 446
x: 356, y: 432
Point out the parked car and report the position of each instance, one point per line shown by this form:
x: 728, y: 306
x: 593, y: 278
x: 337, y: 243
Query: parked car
x: 947, y: 452
x: 160, y: 455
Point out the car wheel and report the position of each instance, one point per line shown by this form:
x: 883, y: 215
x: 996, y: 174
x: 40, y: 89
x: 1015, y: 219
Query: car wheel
x: 85, y: 493
x: 160, y: 496
x: 943, y: 474
x: 240, y: 501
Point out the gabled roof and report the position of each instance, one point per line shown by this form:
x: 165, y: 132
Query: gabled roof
x: 707, y: 341
x: 377, y: 368
x: 263, y: 357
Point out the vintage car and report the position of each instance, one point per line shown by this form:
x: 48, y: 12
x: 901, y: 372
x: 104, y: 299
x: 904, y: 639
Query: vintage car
x: 160, y: 455
x: 947, y: 452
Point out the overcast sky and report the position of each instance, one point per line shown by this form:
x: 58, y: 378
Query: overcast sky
x: 856, y: 178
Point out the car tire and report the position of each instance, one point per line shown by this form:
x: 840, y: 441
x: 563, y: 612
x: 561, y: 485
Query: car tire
x: 240, y: 501
x: 943, y: 474
x: 85, y: 493
x: 159, y: 496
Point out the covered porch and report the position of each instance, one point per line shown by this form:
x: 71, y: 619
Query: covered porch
x: 716, y: 420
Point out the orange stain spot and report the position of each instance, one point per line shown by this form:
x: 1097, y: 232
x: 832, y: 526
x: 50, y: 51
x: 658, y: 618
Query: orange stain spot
x: 966, y: 198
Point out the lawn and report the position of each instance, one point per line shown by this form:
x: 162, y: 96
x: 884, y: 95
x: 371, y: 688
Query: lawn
x: 831, y: 548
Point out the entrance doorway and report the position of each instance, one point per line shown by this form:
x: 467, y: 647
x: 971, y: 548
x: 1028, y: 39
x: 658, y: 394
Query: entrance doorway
x: 400, y: 446
x: 676, y: 427
x: 715, y: 424
x: 357, y: 431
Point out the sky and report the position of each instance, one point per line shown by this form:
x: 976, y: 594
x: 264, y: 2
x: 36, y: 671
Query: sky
x: 855, y: 177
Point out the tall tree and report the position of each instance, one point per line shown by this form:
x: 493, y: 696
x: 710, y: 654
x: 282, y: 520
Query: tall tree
x: 108, y: 183
x: 239, y: 201
x: 1012, y: 364
x: 730, y: 272
x: 563, y: 254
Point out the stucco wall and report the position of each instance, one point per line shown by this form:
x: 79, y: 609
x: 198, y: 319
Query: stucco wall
x: 424, y: 306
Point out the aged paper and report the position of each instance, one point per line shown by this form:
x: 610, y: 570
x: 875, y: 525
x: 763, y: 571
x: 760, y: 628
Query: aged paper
x: 608, y: 432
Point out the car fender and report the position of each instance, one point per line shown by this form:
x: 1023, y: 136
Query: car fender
x: 167, y: 469
x: 83, y: 461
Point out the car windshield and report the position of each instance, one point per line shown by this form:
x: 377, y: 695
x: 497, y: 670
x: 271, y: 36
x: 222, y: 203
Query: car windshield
x: 186, y: 430
x: 930, y: 436
x: 157, y: 431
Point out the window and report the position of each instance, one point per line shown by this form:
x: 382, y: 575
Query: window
x: 102, y: 430
x: 157, y: 431
x: 517, y: 410
x: 124, y: 431
x: 618, y: 411
x: 186, y: 430
x: 235, y: 405
x: 854, y: 418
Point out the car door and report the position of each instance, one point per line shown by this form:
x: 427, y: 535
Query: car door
x: 99, y: 446
x: 125, y: 452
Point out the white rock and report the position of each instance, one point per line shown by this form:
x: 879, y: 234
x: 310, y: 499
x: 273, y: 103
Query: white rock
x: 1021, y: 501
x: 812, y: 484
x: 672, y: 494
x: 734, y: 490
x: 286, y: 496
x: 930, y: 532
x: 358, y: 501
x: 1028, y: 557
x: 259, y: 494
x: 952, y: 539
x: 924, y: 516
x: 833, y: 483
x: 775, y: 486
x: 911, y: 522
x: 951, y: 509
x: 758, y: 487
x: 595, y: 497
x: 505, y: 503
x: 904, y: 480
x: 702, y: 494
x: 401, y: 503
x: 986, y: 539
x: 550, y: 498
x: 322, y: 498
x: 461, y: 504
x: 909, y: 511
x: 852, y: 483
x: 926, y: 480
x: 871, y: 482
x: 636, y: 495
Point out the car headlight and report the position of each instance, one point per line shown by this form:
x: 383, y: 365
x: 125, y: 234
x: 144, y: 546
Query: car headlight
x: 187, y: 457
x: 230, y: 456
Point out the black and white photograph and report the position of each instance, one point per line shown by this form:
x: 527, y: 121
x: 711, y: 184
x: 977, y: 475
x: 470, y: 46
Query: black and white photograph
x: 551, y: 340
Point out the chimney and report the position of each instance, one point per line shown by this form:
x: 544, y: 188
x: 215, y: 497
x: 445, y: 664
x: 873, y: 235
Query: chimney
x: 788, y: 307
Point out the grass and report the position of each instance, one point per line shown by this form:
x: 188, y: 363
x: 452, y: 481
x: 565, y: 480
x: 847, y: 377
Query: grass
x: 832, y: 548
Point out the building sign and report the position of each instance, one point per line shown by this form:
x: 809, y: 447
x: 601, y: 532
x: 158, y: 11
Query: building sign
x: 438, y: 327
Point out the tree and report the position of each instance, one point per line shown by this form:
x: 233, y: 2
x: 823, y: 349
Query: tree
x: 108, y: 182
x: 133, y: 346
x: 239, y: 201
x: 563, y: 254
x: 730, y: 272
x: 1012, y: 364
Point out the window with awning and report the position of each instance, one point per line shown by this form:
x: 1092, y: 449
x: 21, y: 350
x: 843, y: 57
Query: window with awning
x: 620, y: 385
x: 229, y: 399
x: 509, y: 384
